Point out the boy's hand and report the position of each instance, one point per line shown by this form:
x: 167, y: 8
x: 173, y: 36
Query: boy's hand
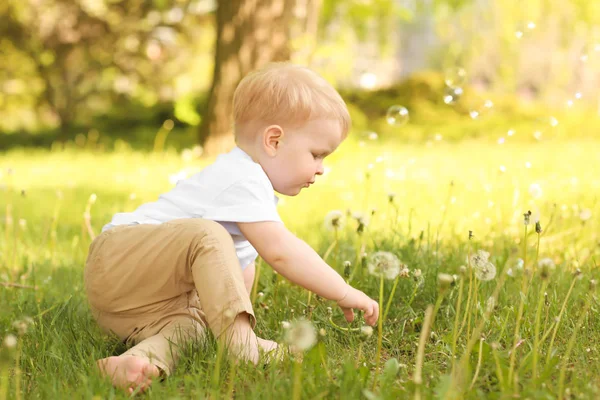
x: 357, y: 299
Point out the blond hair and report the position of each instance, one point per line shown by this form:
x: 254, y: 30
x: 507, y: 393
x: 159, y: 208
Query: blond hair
x: 286, y: 94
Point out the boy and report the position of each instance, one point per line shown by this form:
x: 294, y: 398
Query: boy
x: 165, y: 272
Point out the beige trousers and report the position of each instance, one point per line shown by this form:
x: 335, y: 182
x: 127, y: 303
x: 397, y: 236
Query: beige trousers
x: 157, y: 286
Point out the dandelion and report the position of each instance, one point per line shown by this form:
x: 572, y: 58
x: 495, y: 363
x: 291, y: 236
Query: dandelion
x: 334, y: 220
x: 445, y: 281
x: 322, y: 332
x: 585, y: 214
x: 519, y: 264
x: 366, y: 331
x: 391, y: 196
x: 404, y: 272
x: 417, y: 273
x: 302, y: 335
x: 463, y: 270
x: 93, y: 198
x: 10, y: 341
x: 479, y: 259
x: 285, y: 325
x: 547, y: 263
x: 510, y: 272
x: 485, y: 272
x: 23, y: 224
x: 526, y: 217
x: 20, y: 326
x: 362, y: 219
x: 535, y: 190
x: 384, y: 264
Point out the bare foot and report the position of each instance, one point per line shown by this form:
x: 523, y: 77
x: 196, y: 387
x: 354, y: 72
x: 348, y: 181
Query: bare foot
x: 128, y: 372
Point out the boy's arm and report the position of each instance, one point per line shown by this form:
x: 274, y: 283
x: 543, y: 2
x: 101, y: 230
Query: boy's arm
x: 294, y: 259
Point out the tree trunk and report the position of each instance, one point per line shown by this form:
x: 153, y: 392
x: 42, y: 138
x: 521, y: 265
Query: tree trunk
x: 250, y: 33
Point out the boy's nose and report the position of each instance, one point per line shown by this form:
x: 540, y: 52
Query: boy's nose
x: 320, y: 169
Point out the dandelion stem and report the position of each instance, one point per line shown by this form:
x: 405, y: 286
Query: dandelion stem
x: 563, y: 369
x: 499, y: 372
x: 379, y: 332
x: 297, y: 391
x: 536, y: 341
x: 456, y: 316
x: 418, y: 379
x: 462, y: 324
x: 478, y: 364
x: 562, y: 310
x: 389, y: 303
x: 523, y: 295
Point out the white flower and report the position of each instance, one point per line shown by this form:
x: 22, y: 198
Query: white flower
x: 361, y: 218
x: 366, y: 331
x: 301, y: 334
x: 285, y: 325
x: 479, y: 259
x: 384, y: 263
x: 547, y: 262
x: 510, y: 272
x: 535, y: 190
x: 334, y: 220
x: 585, y: 214
x: 404, y: 272
x: 10, y: 341
x: 485, y: 272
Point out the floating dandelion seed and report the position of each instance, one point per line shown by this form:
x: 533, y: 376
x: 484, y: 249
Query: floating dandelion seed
x: 384, y: 263
x: 510, y: 132
x: 334, y: 220
x: 535, y: 190
x: 301, y: 334
x: 585, y: 214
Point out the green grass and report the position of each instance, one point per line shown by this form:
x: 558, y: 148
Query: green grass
x: 442, y: 191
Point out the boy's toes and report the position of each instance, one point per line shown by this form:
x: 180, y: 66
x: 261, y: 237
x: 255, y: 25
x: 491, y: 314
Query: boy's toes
x: 151, y: 371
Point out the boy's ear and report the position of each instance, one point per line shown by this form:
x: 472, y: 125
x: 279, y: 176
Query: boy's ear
x: 272, y: 139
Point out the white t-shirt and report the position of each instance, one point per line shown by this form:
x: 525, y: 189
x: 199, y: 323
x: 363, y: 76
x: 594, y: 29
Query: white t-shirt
x: 232, y: 189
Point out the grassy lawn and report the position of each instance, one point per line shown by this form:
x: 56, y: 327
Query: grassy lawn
x: 537, y: 336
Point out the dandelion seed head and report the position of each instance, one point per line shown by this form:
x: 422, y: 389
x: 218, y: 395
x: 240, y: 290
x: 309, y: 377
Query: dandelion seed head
x: 547, y: 262
x: 535, y: 190
x: 485, y: 272
x: 445, y: 281
x: 384, y: 263
x: 10, y: 342
x: 479, y: 259
x: 285, y: 325
x: 334, y: 220
x: 301, y: 334
x: 366, y: 331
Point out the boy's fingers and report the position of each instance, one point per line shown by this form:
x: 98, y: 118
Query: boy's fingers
x: 348, y: 314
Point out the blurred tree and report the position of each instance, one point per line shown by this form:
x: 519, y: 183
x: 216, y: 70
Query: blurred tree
x: 89, y: 54
x: 250, y: 33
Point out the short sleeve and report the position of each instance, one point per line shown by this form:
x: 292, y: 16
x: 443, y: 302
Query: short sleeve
x: 248, y: 200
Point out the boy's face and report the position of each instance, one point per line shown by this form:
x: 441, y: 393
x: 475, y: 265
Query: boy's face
x: 297, y: 155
